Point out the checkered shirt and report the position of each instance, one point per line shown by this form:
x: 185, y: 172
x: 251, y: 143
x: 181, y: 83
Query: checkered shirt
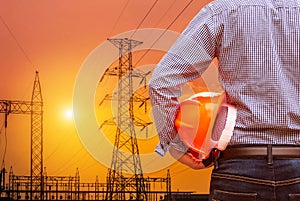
x: 257, y: 44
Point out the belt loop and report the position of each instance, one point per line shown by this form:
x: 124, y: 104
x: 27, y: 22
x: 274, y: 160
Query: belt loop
x: 269, y: 154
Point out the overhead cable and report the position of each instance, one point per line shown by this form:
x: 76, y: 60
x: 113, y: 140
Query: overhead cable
x: 181, y: 12
x: 17, y: 41
x: 142, y: 21
x: 118, y: 19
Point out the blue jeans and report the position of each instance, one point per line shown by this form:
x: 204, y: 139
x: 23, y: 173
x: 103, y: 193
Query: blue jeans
x: 252, y: 179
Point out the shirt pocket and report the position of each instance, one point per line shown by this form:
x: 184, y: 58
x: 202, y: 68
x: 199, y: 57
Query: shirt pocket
x: 219, y: 195
x: 294, y: 197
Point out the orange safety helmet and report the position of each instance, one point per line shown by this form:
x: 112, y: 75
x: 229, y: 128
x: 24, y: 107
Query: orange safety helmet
x: 204, y: 122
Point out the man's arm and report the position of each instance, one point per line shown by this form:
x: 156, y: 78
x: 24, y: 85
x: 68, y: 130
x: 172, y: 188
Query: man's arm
x: 186, y: 60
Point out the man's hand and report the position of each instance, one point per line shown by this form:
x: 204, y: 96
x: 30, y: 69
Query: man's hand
x: 187, y: 159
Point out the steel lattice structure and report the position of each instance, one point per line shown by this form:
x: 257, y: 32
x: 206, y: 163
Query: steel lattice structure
x: 125, y: 157
x: 35, y: 109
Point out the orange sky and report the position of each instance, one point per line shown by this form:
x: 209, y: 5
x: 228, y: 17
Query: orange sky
x: 56, y: 37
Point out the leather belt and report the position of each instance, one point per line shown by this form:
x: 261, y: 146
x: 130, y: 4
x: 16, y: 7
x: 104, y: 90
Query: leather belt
x: 267, y: 151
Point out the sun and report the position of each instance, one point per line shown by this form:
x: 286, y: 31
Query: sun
x: 69, y: 114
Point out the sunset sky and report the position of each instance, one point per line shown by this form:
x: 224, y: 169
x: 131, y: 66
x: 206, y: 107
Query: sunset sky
x: 58, y: 38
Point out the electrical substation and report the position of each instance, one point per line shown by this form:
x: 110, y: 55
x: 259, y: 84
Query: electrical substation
x: 39, y: 186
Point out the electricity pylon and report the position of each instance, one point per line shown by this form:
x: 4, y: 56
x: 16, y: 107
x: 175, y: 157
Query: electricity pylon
x: 35, y: 109
x: 125, y: 157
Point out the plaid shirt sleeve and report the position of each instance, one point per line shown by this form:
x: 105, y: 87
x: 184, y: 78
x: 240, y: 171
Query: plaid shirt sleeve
x: 186, y: 60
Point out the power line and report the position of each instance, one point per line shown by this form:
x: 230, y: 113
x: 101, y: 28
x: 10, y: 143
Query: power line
x: 181, y: 12
x: 16, y: 40
x: 165, y: 13
x: 72, y: 161
x: 149, y: 11
x: 118, y: 19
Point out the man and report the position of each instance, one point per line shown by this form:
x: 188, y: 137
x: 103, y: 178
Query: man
x: 257, y: 44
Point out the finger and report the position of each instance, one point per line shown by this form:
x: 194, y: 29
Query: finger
x: 187, y: 159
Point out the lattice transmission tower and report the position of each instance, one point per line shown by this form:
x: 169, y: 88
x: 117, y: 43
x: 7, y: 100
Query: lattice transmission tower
x: 34, y: 108
x: 125, y: 157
